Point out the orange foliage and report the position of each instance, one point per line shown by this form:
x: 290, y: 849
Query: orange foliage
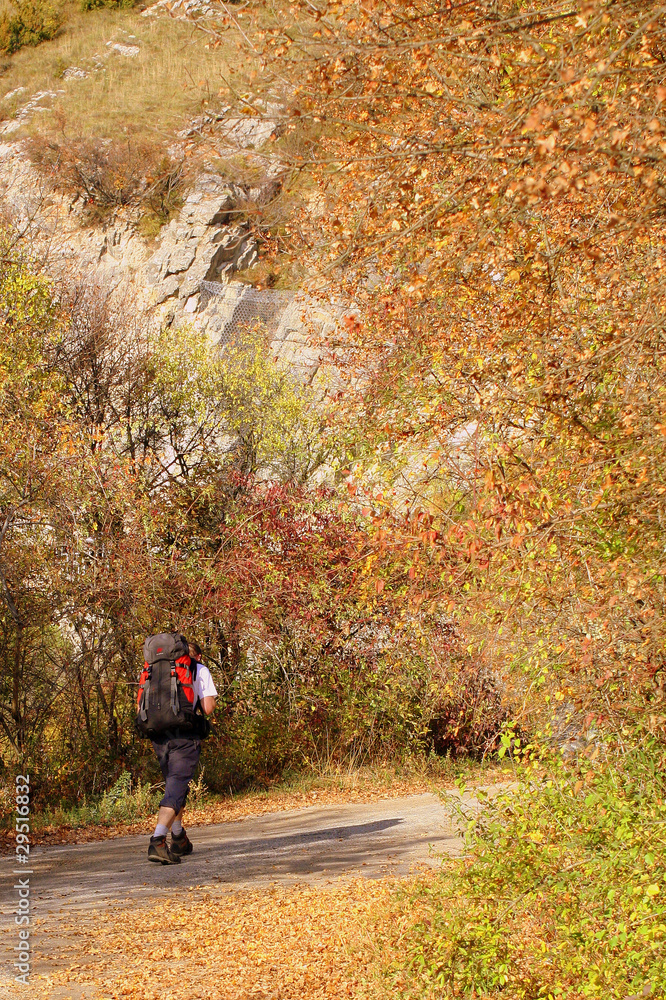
x: 493, y: 186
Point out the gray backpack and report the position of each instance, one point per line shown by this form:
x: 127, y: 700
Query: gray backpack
x: 166, y: 701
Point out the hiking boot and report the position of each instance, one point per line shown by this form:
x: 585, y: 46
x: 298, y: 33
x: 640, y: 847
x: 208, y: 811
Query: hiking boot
x: 159, y: 852
x: 181, y: 844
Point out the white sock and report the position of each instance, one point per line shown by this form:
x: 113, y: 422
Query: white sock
x: 177, y: 827
x: 161, y: 830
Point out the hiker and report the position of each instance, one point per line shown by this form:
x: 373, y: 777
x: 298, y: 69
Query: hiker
x: 176, y: 694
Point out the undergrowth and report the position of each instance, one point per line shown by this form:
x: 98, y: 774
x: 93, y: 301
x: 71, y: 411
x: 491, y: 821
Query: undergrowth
x: 101, y: 4
x: 125, y: 802
x: 562, y: 893
x: 106, y: 174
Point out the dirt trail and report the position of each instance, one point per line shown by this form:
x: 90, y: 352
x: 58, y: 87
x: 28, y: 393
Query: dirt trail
x: 316, y: 845
x: 298, y: 845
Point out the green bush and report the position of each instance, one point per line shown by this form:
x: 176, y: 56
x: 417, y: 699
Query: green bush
x: 562, y: 895
x: 247, y: 750
x: 292, y: 715
x: 127, y: 801
x: 100, y: 4
x: 32, y: 22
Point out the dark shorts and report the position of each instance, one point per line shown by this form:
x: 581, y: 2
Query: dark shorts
x: 178, y: 761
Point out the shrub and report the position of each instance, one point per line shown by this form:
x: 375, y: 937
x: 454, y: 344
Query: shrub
x: 32, y: 22
x: 562, y: 894
x: 246, y: 750
x: 163, y: 196
x: 287, y: 713
x: 107, y: 173
x: 101, y: 4
x: 127, y: 801
x: 469, y: 711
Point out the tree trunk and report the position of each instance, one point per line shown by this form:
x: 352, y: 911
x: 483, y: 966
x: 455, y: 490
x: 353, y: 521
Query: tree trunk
x: 17, y: 715
x: 84, y: 701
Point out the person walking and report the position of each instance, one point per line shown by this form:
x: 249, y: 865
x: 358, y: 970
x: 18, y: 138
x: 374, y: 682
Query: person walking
x: 176, y: 695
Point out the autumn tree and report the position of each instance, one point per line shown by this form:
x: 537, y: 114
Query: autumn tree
x: 166, y: 484
x: 32, y: 427
x: 491, y: 187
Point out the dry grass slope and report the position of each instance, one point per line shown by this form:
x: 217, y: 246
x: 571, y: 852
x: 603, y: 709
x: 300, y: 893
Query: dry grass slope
x: 174, y: 76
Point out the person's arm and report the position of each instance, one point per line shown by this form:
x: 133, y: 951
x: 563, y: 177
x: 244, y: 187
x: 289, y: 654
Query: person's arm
x: 208, y: 704
x: 205, y: 682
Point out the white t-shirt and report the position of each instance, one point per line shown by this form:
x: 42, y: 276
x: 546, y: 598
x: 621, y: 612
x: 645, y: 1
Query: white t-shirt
x: 203, y: 684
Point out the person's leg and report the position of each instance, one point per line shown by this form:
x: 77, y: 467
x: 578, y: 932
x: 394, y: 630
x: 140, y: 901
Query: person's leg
x: 184, y: 760
x: 168, y: 820
x: 178, y: 760
x: 180, y: 842
x: 165, y: 817
x: 177, y: 823
x: 158, y: 849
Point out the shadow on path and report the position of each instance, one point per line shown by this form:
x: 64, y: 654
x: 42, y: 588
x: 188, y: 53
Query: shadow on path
x: 310, y: 844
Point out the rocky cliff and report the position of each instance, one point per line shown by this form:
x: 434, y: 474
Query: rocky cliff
x: 186, y: 274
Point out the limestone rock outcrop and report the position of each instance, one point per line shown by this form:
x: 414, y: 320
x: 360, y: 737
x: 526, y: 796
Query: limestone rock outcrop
x: 208, y: 241
x: 205, y: 243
